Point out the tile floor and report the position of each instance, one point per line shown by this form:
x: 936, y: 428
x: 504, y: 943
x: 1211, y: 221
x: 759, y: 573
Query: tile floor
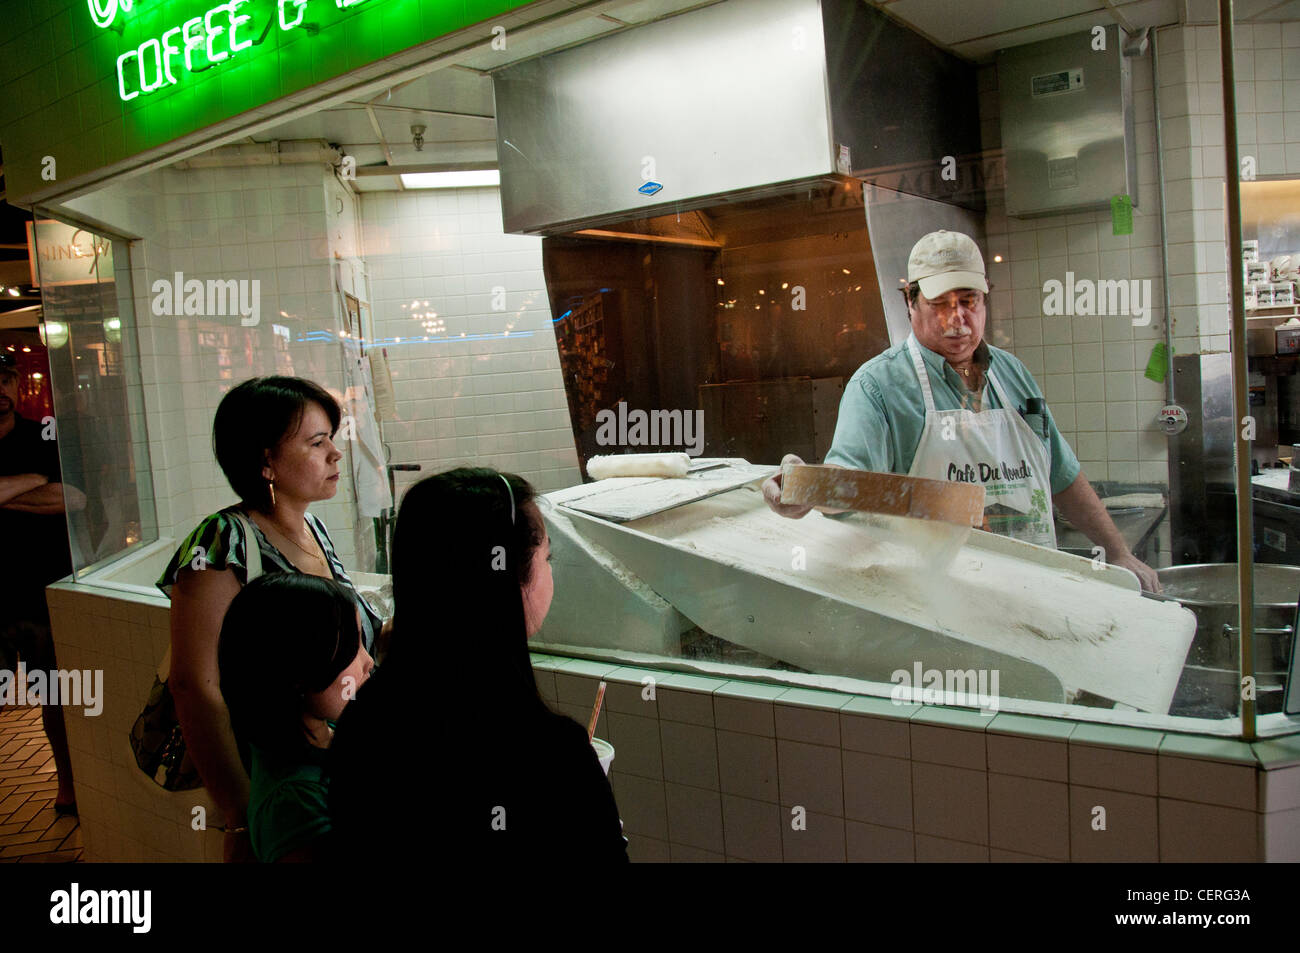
x: 30, y: 831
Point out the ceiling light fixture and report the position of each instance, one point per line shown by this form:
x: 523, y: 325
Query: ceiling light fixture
x: 468, y: 179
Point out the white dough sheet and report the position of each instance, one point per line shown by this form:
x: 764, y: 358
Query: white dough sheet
x: 1090, y: 633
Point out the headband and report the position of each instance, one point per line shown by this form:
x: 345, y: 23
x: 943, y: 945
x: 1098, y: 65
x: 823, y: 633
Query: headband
x: 512, y: 497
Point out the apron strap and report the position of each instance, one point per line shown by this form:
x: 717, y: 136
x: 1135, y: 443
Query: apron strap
x: 997, y: 388
x: 921, y: 375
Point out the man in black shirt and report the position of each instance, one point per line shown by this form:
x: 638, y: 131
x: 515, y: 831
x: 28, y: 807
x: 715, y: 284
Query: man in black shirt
x: 34, y: 533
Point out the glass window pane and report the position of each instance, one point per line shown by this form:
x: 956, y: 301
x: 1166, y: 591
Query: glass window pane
x: 90, y: 331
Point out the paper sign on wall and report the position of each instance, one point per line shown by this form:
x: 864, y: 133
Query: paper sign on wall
x: 382, y: 381
x: 1121, y: 215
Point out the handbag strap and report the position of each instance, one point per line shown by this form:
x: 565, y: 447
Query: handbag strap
x: 253, y: 565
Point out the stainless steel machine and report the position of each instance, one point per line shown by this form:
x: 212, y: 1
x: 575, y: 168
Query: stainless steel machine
x: 1273, y: 349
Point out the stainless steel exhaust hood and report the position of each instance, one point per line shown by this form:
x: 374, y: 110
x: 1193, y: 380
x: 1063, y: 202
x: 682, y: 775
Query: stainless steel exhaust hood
x: 735, y: 101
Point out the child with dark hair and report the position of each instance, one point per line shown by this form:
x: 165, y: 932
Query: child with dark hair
x: 291, y: 657
x: 494, y: 775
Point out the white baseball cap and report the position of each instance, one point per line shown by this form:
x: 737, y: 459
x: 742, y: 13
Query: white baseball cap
x: 942, y: 261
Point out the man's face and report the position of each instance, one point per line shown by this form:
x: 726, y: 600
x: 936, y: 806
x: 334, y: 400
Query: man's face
x: 8, y: 392
x: 952, y: 324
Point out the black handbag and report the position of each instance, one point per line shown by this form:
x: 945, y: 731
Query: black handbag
x: 156, y: 737
x: 159, y: 745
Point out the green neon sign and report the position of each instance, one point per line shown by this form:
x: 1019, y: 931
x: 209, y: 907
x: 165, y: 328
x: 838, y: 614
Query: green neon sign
x: 104, y: 12
x: 201, y: 42
x: 92, y: 83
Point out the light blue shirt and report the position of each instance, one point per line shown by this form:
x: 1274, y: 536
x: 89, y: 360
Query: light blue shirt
x: 882, y: 412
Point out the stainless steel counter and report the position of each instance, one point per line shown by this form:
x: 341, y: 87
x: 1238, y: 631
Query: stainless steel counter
x: 1137, y: 525
x: 1276, y: 517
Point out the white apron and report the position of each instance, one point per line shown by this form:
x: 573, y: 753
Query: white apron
x: 993, y: 448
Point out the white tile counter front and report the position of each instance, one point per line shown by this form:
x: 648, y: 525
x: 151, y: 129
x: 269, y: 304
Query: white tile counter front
x: 718, y: 769
x: 124, y: 815
x: 712, y: 769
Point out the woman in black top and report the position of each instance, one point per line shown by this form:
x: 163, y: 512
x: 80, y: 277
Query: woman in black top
x: 450, y: 738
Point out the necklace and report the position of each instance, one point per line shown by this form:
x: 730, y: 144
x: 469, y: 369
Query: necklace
x: 279, y: 532
x: 971, y: 374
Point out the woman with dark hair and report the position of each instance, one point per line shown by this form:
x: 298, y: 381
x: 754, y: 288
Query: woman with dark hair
x: 291, y: 658
x: 503, y: 777
x: 273, y: 437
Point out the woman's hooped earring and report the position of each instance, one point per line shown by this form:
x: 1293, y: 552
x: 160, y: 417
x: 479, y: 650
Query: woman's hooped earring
x: 271, y: 485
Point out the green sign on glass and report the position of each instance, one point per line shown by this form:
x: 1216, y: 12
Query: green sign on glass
x: 90, y: 83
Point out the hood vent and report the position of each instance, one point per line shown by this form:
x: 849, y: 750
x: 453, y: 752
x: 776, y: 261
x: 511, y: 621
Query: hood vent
x: 736, y: 101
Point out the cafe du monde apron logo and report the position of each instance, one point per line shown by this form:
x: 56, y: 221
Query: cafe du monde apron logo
x: 202, y: 41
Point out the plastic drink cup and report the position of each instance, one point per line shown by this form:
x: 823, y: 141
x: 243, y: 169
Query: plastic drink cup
x: 604, y: 751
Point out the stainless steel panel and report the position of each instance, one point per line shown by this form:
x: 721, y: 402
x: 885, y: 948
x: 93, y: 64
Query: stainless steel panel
x: 1212, y: 674
x: 731, y: 97
x: 895, y: 220
x: 1277, y: 536
x: 1067, y: 124
x: 1261, y: 336
x: 741, y: 100
x: 899, y: 105
x: 1201, y: 494
x: 1264, y: 407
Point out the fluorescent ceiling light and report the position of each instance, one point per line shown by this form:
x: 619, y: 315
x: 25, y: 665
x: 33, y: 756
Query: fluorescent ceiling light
x: 451, y: 180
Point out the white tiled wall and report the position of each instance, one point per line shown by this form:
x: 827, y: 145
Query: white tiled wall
x: 1267, y: 64
x: 1091, y: 369
x: 486, y: 390
x: 1194, y: 169
x: 263, y: 223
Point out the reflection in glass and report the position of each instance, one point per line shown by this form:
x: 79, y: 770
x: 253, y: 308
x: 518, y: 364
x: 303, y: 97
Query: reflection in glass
x: 89, y: 329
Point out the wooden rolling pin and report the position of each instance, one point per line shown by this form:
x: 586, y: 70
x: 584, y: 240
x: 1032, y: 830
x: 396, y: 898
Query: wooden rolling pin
x: 889, y: 493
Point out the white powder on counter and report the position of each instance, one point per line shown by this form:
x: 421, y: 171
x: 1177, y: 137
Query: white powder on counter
x: 1087, y: 632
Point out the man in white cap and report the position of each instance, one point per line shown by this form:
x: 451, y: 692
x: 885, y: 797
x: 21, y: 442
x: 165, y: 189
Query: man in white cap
x: 947, y: 406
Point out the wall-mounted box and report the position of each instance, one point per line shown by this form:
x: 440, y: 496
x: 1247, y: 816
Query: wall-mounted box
x: 1067, y: 124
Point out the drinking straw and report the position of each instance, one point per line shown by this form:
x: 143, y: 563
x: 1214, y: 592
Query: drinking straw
x: 595, y: 712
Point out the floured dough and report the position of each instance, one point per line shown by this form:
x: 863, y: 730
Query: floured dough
x: 638, y: 464
x: 1126, y: 500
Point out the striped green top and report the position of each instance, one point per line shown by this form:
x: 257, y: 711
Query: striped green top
x: 218, y: 543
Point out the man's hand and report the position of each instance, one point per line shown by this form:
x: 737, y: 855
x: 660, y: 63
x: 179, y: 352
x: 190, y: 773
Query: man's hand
x: 1146, y: 575
x: 772, y: 494
x: 1081, y: 507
